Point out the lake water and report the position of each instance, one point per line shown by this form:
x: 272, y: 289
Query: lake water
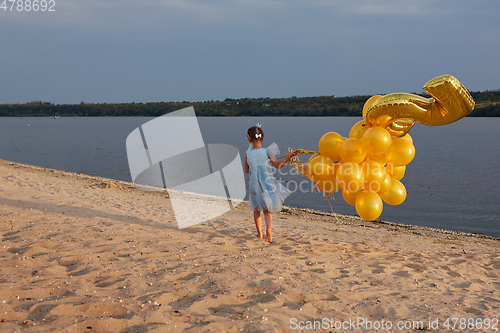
x: 452, y: 182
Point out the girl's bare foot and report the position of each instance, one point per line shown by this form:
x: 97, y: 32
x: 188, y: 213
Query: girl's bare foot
x: 258, y: 224
x: 269, y: 236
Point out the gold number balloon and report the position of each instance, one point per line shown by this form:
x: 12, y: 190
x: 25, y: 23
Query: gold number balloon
x: 449, y: 102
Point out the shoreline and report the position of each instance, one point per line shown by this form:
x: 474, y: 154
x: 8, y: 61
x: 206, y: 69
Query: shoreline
x: 104, y: 182
x: 83, y: 253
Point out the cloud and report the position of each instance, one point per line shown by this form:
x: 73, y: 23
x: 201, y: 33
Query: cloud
x: 393, y: 8
x: 390, y: 9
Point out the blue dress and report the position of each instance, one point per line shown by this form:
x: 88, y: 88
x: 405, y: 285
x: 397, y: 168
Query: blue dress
x: 265, y: 192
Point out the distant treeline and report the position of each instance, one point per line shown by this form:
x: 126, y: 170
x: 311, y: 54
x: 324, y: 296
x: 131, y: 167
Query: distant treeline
x: 487, y: 105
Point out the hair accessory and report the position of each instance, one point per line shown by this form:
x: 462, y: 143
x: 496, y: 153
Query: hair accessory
x: 258, y: 136
x: 259, y: 125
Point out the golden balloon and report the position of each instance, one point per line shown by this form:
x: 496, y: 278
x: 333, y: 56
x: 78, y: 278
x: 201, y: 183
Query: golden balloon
x: 385, y: 185
x: 406, y: 137
x: 352, y: 150
x: 373, y: 175
x: 379, y: 158
x: 320, y: 168
x: 350, y: 176
x: 376, y: 141
x: 396, y: 172
x: 327, y: 186
x: 400, y: 153
x: 368, y: 103
x: 449, y: 102
x: 369, y: 205
x: 350, y: 196
x: 359, y: 129
x: 329, y: 145
x: 396, y: 195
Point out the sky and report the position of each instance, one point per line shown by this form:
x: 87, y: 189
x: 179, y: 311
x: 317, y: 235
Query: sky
x: 123, y: 51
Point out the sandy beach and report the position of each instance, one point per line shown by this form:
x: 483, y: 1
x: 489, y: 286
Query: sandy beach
x: 88, y: 254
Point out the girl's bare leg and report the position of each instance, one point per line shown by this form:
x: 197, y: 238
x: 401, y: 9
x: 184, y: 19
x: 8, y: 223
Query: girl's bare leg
x: 268, y: 216
x: 258, y: 223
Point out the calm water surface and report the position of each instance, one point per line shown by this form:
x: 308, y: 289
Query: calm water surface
x: 452, y: 183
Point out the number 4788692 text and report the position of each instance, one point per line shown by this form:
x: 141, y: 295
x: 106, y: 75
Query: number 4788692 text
x: 28, y: 5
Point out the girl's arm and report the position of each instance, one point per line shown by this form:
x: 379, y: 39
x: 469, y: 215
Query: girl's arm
x: 247, y: 168
x: 283, y: 162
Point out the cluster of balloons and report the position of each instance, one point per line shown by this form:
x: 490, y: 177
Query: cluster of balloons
x: 367, y: 167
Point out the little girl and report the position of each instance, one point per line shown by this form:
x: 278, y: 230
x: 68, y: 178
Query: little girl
x: 266, y: 193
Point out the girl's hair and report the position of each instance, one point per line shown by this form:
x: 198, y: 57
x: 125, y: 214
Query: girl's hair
x: 255, y: 133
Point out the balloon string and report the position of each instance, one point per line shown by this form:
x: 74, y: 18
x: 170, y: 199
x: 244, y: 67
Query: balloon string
x: 328, y: 199
x: 299, y: 166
